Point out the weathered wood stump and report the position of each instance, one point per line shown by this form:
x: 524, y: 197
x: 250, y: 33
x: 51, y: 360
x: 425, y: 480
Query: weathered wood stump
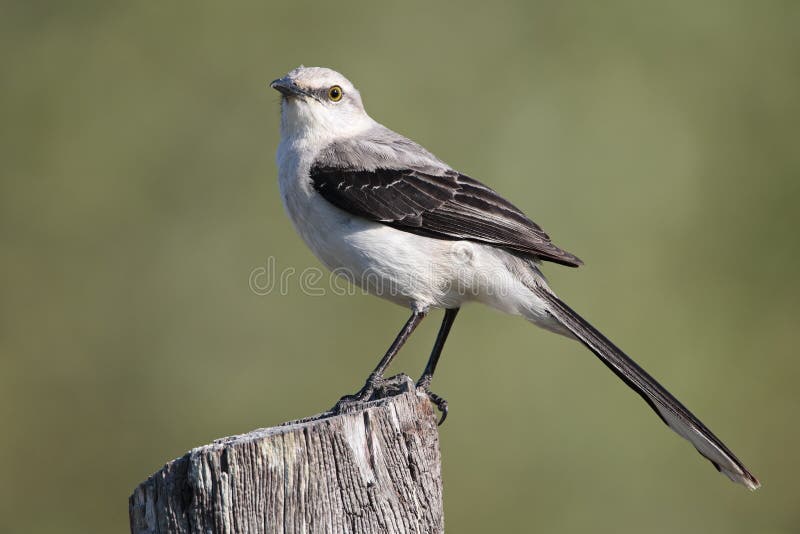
x: 375, y: 468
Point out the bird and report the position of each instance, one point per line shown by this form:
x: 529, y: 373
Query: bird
x: 396, y: 220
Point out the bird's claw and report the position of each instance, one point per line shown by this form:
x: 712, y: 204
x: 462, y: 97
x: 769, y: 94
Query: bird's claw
x: 425, y: 385
x: 441, y: 404
x: 374, y: 387
x: 361, y: 396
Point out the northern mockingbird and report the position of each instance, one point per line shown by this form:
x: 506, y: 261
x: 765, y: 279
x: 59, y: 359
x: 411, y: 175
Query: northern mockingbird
x: 396, y: 220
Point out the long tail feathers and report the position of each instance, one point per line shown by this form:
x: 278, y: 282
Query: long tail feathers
x: 671, y: 411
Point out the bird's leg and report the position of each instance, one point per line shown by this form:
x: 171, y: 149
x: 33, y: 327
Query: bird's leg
x: 424, y: 381
x: 376, y: 377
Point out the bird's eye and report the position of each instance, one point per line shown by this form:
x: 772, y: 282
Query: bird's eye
x: 335, y: 93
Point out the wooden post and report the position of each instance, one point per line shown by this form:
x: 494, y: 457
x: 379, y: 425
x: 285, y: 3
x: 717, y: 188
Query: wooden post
x: 375, y: 468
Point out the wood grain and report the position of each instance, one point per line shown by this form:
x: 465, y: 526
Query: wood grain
x: 374, y: 469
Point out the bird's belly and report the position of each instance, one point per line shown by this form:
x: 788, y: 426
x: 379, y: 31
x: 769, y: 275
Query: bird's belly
x: 389, y: 263
x: 405, y: 268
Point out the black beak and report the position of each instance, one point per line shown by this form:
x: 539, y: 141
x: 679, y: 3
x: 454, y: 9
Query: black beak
x: 287, y: 87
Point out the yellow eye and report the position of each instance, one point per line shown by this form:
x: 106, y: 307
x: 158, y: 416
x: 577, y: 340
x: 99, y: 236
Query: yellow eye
x: 335, y: 93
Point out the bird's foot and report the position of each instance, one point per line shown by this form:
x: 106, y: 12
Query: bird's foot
x: 365, y: 394
x: 425, y: 385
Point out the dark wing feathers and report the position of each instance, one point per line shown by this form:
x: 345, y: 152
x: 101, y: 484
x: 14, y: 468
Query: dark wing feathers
x: 444, y: 205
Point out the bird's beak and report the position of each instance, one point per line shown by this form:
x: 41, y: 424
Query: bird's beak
x: 287, y: 87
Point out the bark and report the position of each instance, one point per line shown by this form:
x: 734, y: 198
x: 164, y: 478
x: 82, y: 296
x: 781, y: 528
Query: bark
x: 375, y: 468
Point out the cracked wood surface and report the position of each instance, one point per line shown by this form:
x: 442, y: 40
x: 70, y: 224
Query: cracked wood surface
x: 374, y: 469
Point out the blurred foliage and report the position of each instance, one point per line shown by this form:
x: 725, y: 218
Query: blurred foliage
x: 658, y: 141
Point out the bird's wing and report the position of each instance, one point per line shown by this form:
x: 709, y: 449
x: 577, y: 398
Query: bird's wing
x: 391, y: 180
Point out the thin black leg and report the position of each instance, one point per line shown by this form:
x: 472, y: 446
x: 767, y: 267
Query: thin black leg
x: 444, y: 330
x: 377, y: 375
x: 399, y: 341
x: 424, y: 381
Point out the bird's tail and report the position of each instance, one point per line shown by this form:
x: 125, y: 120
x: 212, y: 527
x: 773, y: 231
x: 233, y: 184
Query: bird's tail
x: 671, y: 411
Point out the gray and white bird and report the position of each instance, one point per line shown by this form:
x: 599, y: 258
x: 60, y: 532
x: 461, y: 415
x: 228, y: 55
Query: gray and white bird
x: 392, y: 217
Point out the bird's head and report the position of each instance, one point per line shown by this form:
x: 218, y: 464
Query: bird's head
x: 320, y: 102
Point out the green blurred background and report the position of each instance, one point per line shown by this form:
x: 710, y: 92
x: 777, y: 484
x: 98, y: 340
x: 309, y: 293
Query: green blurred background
x: 659, y: 142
